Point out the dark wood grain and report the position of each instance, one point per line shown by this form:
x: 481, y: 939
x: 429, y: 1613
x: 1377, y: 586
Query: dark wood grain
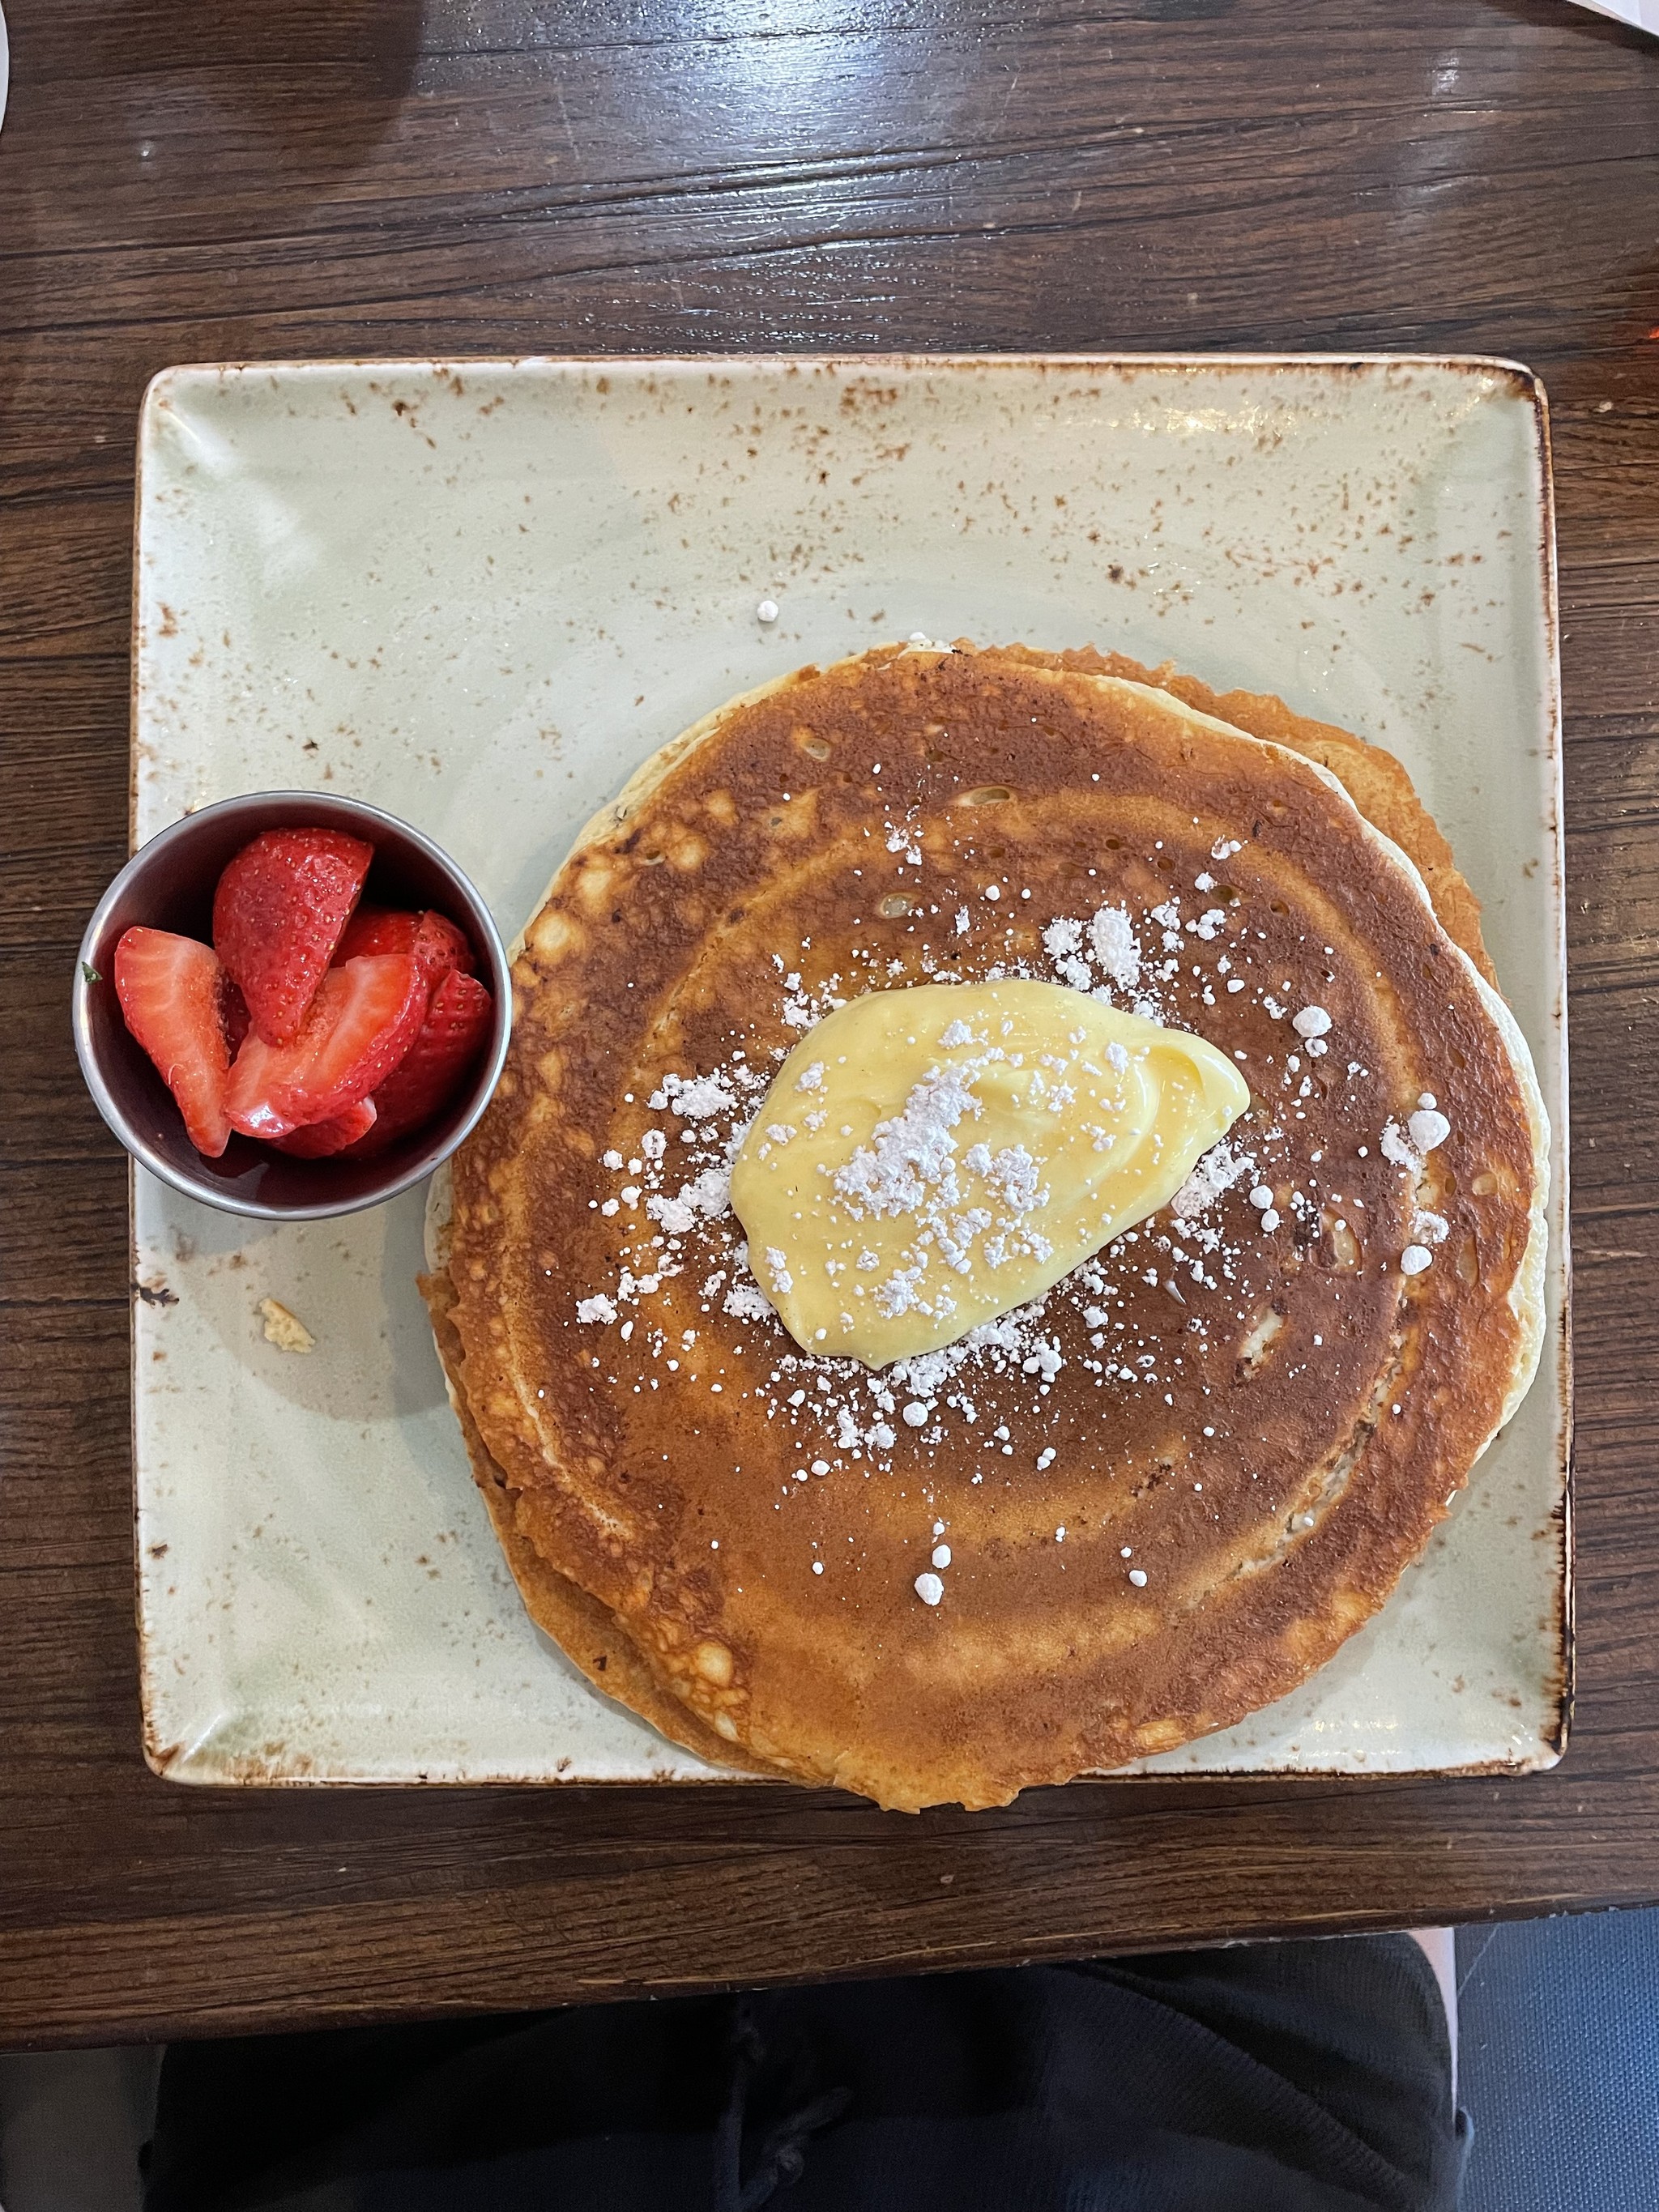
x: 307, y: 177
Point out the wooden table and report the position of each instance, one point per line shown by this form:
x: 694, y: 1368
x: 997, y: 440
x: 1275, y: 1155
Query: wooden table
x: 372, y: 177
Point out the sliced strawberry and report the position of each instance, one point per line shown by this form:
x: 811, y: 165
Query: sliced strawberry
x: 363, y: 1021
x: 377, y: 929
x: 232, y: 1011
x: 278, y: 913
x: 431, y: 1072
x: 439, y: 946
x: 319, y: 1139
x: 169, y: 988
x: 434, y: 940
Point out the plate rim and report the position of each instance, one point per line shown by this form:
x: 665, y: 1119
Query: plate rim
x: 1521, y: 384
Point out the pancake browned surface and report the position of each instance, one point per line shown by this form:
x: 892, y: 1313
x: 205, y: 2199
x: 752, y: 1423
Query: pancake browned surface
x: 1375, y: 781
x: 579, y: 1624
x: 1263, y: 1418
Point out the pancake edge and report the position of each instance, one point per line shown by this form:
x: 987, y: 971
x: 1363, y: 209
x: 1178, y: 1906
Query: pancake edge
x: 1526, y: 1295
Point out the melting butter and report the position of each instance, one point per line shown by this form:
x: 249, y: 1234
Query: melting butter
x: 928, y: 1158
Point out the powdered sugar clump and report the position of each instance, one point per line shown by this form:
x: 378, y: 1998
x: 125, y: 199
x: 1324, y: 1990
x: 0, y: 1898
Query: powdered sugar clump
x: 674, y: 1214
x: 1011, y: 1172
x: 1393, y: 1147
x: 1220, y: 1168
x: 911, y: 1161
x: 1427, y: 1128
x: 1112, y: 939
x: 704, y: 1099
x: 1108, y: 938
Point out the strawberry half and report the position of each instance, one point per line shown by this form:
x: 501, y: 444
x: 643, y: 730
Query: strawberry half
x: 278, y: 913
x: 320, y: 1138
x: 434, y: 940
x: 426, y: 1078
x: 170, y: 988
x: 377, y: 929
x: 364, y: 1019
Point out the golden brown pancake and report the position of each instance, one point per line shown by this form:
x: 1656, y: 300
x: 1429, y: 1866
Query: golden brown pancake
x: 587, y: 1634
x: 1375, y: 781
x: 1175, y: 1487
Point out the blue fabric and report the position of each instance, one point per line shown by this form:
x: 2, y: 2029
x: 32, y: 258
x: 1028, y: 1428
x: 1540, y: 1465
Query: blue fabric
x: 1558, y: 2064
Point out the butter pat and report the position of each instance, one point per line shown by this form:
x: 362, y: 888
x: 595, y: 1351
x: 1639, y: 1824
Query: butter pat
x: 928, y: 1158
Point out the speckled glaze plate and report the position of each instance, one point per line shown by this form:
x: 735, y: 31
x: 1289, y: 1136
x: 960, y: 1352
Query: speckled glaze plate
x: 478, y: 593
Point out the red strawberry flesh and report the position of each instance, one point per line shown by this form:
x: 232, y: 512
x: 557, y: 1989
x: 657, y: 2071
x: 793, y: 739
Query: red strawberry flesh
x: 376, y: 929
x: 279, y: 911
x: 320, y: 1138
x: 428, y: 1076
x: 171, y: 993
x: 434, y: 940
x: 363, y: 1020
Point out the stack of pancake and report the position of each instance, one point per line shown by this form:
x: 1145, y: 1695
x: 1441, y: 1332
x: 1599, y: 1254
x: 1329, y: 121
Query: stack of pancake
x: 1168, y: 1491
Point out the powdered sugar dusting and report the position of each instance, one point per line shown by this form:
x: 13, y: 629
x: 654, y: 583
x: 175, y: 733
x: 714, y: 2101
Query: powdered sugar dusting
x: 1112, y: 942
x: 676, y: 1237
x: 912, y: 1160
x: 1221, y: 1167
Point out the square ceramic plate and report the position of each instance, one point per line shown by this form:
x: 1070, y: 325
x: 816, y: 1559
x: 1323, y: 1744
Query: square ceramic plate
x: 478, y: 593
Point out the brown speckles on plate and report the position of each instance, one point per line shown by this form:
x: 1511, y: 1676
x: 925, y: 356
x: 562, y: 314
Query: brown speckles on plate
x: 1211, y: 506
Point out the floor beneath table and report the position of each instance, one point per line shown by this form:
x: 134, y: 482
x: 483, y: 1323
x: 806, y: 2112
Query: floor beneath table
x: 1559, y: 2065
